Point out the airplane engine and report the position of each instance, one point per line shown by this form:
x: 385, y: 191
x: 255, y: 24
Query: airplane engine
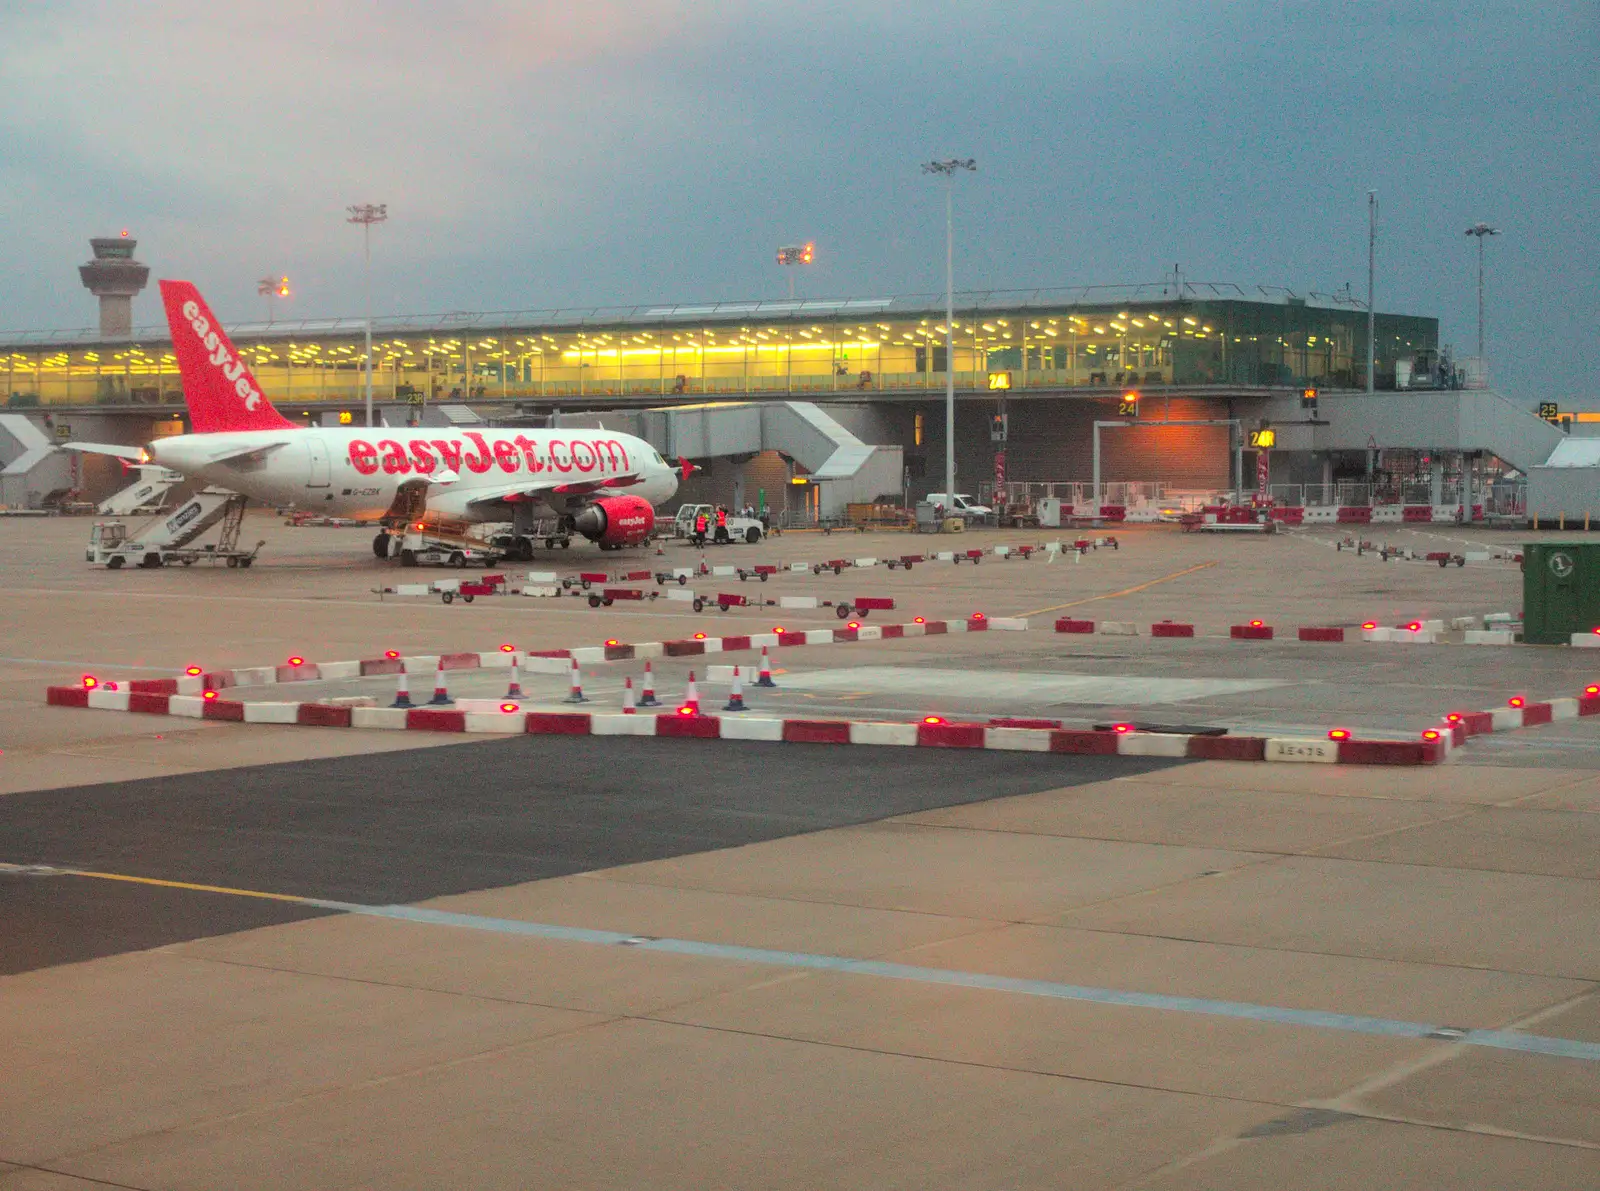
x: 616, y: 521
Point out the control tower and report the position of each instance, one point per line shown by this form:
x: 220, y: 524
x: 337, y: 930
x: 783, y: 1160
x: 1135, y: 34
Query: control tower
x: 114, y: 277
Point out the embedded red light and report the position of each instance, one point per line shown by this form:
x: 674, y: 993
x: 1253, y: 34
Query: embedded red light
x: 508, y: 649
x: 90, y: 682
x: 193, y: 671
x: 1455, y: 717
x: 685, y: 711
x: 1122, y: 728
x: 1596, y: 630
x: 918, y: 620
x: 508, y: 707
x: 1515, y: 701
x: 1338, y: 734
x: 777, y: 628
x: 699, y: 636
x: 1415, y: 626
x: 209, y: 695
x: 297, y: 661
x: 1255, y: 624
x: 1369, y: 624
x: 854, y: 624
x: 108, y: 686
x: 980, y: 616
x: 1431, y: 734
x: 391, y: 653
x: 417, y: 526
x: 610, y: 642
x: 933, y: 719
x: 1591, y: 690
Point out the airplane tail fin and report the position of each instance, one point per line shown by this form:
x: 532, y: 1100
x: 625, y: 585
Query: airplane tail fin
x: 218, y: 387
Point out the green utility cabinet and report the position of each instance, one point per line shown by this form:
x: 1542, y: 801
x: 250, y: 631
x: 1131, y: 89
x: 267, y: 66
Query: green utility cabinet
x: 1560, y: 591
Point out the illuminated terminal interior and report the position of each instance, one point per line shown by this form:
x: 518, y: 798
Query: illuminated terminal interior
x: 1098, y: 337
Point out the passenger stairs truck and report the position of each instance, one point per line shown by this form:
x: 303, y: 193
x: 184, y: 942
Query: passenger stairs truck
x: 165, y: 540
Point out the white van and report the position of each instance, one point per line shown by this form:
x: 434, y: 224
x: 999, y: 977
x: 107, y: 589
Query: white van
x: 963, y: 505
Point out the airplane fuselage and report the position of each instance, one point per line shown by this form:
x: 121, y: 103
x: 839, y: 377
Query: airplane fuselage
x: 357, y: 471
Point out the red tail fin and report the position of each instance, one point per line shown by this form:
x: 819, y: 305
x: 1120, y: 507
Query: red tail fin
x: 217, y: 386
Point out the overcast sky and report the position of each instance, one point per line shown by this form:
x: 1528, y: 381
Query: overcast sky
x: 538, y: 154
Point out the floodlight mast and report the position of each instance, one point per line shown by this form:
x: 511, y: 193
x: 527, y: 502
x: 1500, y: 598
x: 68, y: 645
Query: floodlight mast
x: 367, y: 214
x: 947, y: 169
x: 796, y: 254
x: 1481, y: 231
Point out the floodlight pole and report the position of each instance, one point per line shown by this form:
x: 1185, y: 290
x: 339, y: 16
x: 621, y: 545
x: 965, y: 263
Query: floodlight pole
x: 367, y: 214
x: 1372, y: 274
x: 947, y: 168
x: 1482, y: 231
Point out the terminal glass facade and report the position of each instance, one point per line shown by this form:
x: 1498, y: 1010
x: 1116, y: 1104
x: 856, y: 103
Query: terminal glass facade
x: 1042, y: 340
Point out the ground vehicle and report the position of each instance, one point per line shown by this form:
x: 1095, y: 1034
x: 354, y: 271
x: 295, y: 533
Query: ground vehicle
x: 166, y: 540
x: 962, y: 506
x: 740, y: 529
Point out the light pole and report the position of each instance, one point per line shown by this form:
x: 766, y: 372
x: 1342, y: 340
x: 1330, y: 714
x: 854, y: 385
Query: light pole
x: 367, y: 214
x: 947, y: 169
x: 1372, y: 288
x: 270, y: 288
x: 796, y: 254
x: 1482, y: 231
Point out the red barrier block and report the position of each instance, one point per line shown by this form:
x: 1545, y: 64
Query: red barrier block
x: 1113, y: 512
x: 459, y: 661
x: 66, y: 696
x: 148, y: 702
x: 816, y: 731
x: 683, y: 649
x: 304, y: 672
x: 950, y: 736
x: 1477, y: 723
x: 729, y: 644
x: 892, y: 632
x: 1070, y: 741
x: 699, y: 727
x: 933, y: 628
x: 1168, y: 629
x: 977, y: 624
x: 791, y: 638
x: 619, y: 653
x: 1289, y: 515
x: 1067, y: 625
x: 1416, y: 513
x: 1311, y: 633
x: 1227, y: 748
x: 1390, y: 752
x: 557, y: 723
x: 1251, y: 632
x: 154, y: 686
x: 221, y: 680
x: 321, y: 715
x: 381, y: 666
x: 1535, y: 713
x: 1587, y: 704
x: 1354, y: 515
x: 1023, y: 722
x: 222, y: 709
x: 436, y: 719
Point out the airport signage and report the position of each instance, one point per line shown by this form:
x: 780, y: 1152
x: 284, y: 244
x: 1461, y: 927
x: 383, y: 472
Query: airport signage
x: 1550, y: 411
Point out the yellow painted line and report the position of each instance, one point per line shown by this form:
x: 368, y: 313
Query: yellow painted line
x: 227, y: 889
x: 1111, y: 595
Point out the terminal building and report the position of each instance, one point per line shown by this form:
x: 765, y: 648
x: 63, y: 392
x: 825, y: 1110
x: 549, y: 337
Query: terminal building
x: 1178, y: 373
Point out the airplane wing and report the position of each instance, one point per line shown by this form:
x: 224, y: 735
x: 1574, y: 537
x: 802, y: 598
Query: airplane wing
x: 132, y: 454
x: 249, y: 456
x: 540, y: 489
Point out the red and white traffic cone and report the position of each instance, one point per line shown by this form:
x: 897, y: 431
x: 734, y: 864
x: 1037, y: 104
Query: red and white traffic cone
x: 575, y: 695
x: 402, y: 694
x: 765, y: 677
x: 691, y: 697
x: 441, y: 692
x: 514, y: 691
x: 704, y: 570
x: 627, y: 695
x: 736, y: 694
x: 648, y: 697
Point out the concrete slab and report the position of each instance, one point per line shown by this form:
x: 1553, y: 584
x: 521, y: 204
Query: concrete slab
x: 1508, y: 921
x: 1447, y: 783
x: 649, y: 1104
x: 1028, y: 688
x: 1557, y: 843
x: 1581, y: 796
x: 903, y: 866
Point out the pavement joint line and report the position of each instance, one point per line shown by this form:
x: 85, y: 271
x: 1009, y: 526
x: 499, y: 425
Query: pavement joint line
x: 1499, y: 1039
x: 1113, y: 594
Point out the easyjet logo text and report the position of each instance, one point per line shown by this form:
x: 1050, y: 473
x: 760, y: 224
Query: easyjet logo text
x: 478, y: 455
x: 233, y: 370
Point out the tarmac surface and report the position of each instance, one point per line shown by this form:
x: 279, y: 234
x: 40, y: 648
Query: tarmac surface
x: 250, y: 955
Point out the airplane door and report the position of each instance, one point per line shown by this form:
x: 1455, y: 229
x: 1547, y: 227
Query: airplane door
x: 319, y: 462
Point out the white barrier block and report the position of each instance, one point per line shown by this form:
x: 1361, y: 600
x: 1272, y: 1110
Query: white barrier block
x: 104, y: 700
x: 819, y: 636
x: 1460, y: 623
x: 1002, y: 551
x: 543, y: 577
x: 945, y: 556
x: 1388, y: 514
x: 546, y: 665
x: 1586, y: 640
x: 1433, y: 626
x: 272, y: 713
x: 1377, y: 634
x: 1563, y: 709
x: 420, y: 664
x: 494, y: 721
x: 866, y: 562
x: 338, y: 670
x: 498, y: 660
x: 712, y: 644
x: 913, y: 630
x: 540, y: 593
x: 720, y: 674
x: 883, y: 734
x: 1325, y: 752
x: 955, y: 626
x: 683, y: 572
x: 1013, y: 624
x: 1505, y: 719
x: 681, y: 594
x: 1021, y: 740
x: 1117, y: 628
x: 649, y: 649
x: 377, y: 717
x: 797, y: 601
x: 589, y: 655
x: 724, y: 570
x: 1412, y: 636
x: 256, y: 676
x: 1152, y: 744
x: 1497, y: 618
x: 757, y: 640
x: 190, y: 707
x: 870, y: 632
x: 754, y: 728
x: 798, y: 566
x: 478, y: 706
x: 413, y: 589
x: 622, y: 725
x: 1490, y: 637
x: 193, y: 684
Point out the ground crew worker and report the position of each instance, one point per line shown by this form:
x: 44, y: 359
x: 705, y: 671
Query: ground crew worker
x: 700, y: 528
x: 722, y: 524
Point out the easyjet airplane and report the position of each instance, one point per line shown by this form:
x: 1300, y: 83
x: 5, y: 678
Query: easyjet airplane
x: 600, y: 483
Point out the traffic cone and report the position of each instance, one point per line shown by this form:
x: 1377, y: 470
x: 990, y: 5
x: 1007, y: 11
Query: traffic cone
x: 627, y: 695
x: 704, y: 570
x: 514, y: 691
x: 736, y: 694
x: 576, y: 694
x: 765, y: 677
x: 648, y: 697
x: 441, y: 692
x: 402, y: 694
x: 691, y: 697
